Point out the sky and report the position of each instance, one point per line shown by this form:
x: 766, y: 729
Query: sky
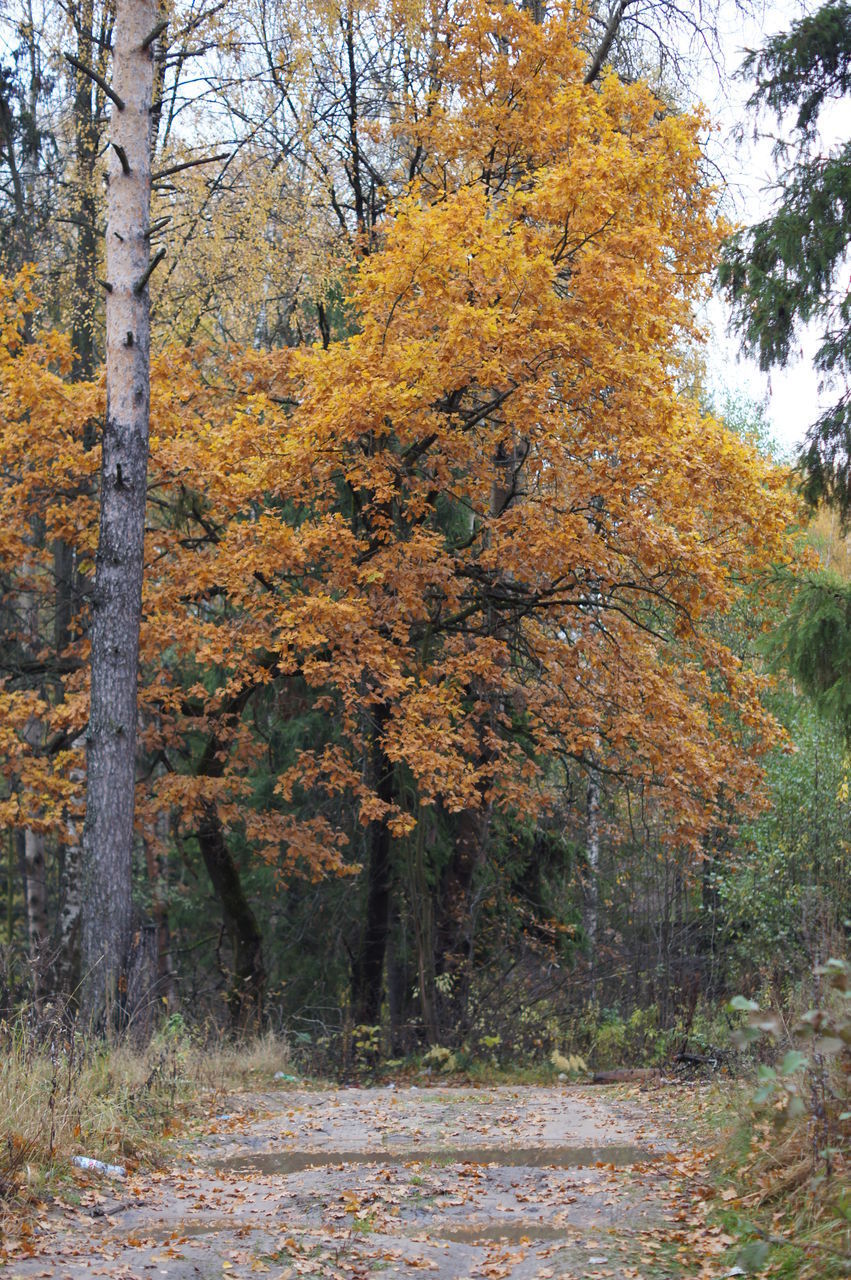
x: 791, y: 396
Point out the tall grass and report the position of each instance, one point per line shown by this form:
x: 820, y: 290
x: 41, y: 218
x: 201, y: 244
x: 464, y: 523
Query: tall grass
x: 64, y: 1094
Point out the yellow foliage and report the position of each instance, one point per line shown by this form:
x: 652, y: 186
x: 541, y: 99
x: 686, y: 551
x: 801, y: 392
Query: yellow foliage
x: 482, y: 529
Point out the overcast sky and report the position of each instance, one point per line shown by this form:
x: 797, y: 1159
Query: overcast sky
x: 790, y: 396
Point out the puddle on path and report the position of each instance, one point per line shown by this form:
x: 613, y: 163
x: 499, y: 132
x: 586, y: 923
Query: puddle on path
x: 514, y: 1233
x: 284, y: 1162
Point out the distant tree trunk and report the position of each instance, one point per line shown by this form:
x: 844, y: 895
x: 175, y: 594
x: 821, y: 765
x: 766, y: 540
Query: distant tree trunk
x: 36, y: 905
x: 422, y: 912
x: 67, y: 967
x: 157, y: 865
x: 368, y: 964
x: 454, y: 931
x: 34, y: 865
x: 248, y: 983
x: 117, y: 602
x: 141, y: 999
x: 592, y: 856
x: 87, y: 130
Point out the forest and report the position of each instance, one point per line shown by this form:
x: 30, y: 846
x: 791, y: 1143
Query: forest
x: 410, y: 659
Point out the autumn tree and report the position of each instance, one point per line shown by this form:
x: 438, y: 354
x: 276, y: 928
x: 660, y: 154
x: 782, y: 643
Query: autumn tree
x: 499, y: 561
x: 404, y: 580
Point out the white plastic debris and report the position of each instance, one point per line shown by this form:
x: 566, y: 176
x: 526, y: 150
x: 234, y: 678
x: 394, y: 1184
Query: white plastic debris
x: 735, y: 1271
x: 597, y: 1260
x: 98, y: 1166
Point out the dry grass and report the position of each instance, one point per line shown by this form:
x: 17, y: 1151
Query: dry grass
x: 221, y: 1067
x: 62, y: 1095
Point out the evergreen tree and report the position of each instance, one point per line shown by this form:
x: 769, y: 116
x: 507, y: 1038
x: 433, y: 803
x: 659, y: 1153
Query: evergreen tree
x: 792, y: 268
x: 814, y: 643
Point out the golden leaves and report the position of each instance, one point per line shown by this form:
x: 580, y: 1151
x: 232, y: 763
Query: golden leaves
x: 485, y: 526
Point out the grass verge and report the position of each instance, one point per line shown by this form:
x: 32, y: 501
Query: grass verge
x: 62, y: 1095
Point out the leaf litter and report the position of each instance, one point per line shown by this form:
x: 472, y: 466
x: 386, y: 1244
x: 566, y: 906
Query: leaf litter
x: 507, y: 1183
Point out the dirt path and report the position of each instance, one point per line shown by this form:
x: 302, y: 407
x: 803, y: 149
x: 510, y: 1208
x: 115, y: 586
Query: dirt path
x: 515, y: 1182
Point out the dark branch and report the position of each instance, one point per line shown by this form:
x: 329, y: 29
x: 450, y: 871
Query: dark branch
x: 152, y: 266
x: 96, y: 78
x: 187, y: 164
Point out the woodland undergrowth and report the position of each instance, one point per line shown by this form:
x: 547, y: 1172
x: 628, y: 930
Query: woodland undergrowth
x: 789, y: 1198
x: 64, y: 1094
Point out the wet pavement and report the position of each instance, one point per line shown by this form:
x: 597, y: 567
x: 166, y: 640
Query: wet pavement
x: 461, y: 1183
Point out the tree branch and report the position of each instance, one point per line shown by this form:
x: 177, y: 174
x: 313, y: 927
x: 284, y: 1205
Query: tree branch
x: 607, y: 41
x: 96, y: 78
x: 187, y: 164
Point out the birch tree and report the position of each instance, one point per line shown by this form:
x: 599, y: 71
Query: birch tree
x: 108, y: 834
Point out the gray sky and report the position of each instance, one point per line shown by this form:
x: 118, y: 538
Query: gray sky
x: 791, y: 396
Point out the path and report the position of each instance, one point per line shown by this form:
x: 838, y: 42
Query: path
x: 513, y: 1182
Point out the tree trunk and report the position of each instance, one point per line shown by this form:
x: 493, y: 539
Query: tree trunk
x: 86, y: 143
x: 422, y: 912
x: 248, y: 986
x: 454, y: 920
x: 142, y: 985
x: 157, y: 867
x: 368, y: 965
x: 67, y: 966
x: 36, y: 906
x: 87, y: 131
x: 592, y: 855
x: 117, y: 603
x: 245, y: 998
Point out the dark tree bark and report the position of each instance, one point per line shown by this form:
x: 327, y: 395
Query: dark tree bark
x: 248, y: 985
x: 117, y: 603
x: 368, y: 963
x: 245, y: 998
x: 454, y: 931
x: 87, y: 117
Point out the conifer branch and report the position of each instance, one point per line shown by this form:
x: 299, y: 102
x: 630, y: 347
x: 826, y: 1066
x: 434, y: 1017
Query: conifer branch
x: 152, y: 35
x: 122, y: 156
x: 152, y: 266
x: 96, y: 78
x: 187, y: 164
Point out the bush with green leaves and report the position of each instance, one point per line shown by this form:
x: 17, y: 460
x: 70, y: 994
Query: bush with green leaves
x: 813, y: 1078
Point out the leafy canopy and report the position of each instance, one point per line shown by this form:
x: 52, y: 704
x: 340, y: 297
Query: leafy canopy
x: 482, y: 532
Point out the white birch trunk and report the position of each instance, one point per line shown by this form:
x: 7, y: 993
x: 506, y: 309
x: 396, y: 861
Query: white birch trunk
x: 108, y: 834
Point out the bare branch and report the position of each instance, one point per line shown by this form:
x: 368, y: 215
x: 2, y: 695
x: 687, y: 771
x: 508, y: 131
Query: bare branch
x: 187, y: 164
x: 152, y: 35
x: 96, y: 78
x: 607, y: 41
x: 122, y: 156
x: 152, y: 266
